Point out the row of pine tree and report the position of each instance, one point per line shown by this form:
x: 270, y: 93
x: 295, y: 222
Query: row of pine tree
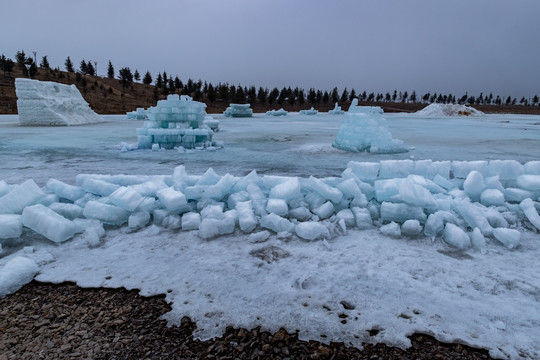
x: 165, y: 84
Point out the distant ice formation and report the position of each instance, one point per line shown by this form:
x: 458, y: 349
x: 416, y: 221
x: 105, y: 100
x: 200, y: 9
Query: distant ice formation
x: 139, y: 114
x: 336, y: 110
x: 174, y: 123
x: 364, y: 129
x: 311, y: 111
x: 238, y: 110
x: 279, y: 112
x: 47, y: 103
x: 449, y: 110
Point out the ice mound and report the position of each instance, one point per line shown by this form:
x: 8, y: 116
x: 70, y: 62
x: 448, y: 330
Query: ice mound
x: 364, y: 129
x: 449, y: 110
x: 336, y: 110
x: 46, y: 103
x: 139, y: 114
x: 311, y: 111
x: 279, y: 112
x: 464, y: 204
x: 176, y: 122
x: 238, y: 110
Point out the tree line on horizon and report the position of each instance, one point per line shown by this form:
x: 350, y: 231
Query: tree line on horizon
x: 165, y: 84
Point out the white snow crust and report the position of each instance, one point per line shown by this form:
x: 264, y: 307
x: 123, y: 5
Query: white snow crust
x: 449, y: 110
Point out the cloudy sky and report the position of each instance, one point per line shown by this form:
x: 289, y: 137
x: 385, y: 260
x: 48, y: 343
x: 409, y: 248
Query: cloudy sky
x: 379, y: 45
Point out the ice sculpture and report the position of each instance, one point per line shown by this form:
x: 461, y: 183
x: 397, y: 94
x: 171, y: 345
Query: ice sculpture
x: 336, y: 110
x: 46, y: 103
x: 279, y: 112
x: 364, y: 129
x: 139, y: 114
x: 177, y: 121
x: 238, y: 110
x: 311, y: 111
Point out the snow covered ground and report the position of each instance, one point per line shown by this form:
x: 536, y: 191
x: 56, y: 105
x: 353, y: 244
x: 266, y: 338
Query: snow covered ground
x: 358, y: 287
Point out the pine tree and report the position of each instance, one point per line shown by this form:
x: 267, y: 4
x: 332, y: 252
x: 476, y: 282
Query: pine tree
x: 535, y: 100
x: 413, y: 97
x: 352, y: 95
x: 232, y: 93
x: 125, y: 76
x: 335, y: 95
x: 344, y: 96
x: 147, y: 80
x: 110, y: 70
x: 178, y: 83
x: 282, y: 96
x: 69, y: 65
x: 44, y: 62
x: 312, y: 96
x: 240, y: 97
x: 211, y: 94
x: 319, y: 96
x: 262, y: 95
x: 326, y: 97
x: 301, y: 97
x: 252, y: 94
x: 394, y: 96
x: 20, y: 57
x: 272, y: 97
x: 136, y: 75
x: 90, y: 69
x: 6, y: 64
x: 159, y: 81
x: 172, y: 88
x: 83, y: 67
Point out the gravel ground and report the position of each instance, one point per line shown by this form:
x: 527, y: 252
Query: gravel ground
x: 47, y: 321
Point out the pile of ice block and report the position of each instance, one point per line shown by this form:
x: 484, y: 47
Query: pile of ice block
x: 238, y: 110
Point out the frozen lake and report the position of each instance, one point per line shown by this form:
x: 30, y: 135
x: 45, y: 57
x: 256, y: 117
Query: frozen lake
x: 295, y: 145
x: 396, y: 285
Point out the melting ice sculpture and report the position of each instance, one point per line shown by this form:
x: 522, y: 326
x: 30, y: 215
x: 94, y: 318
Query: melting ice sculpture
x: 280, y: 112
x: 364, y: 129
x: 336, y: 110
x: 177, y: 121
x: 47, y: 103
x: 238, y: 110
x: 311, y: 111
x: 139, y: 114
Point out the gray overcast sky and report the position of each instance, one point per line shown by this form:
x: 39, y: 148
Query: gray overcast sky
x: 379, y: 45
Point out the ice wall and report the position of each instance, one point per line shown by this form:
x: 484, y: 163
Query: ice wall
x: 364, y: 129
x: 46, y: 103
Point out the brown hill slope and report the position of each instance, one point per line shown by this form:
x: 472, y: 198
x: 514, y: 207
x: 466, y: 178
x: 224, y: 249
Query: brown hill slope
x: 108, y: 96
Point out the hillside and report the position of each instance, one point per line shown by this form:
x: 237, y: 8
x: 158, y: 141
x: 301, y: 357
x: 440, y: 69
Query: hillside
x: 108, y: 96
